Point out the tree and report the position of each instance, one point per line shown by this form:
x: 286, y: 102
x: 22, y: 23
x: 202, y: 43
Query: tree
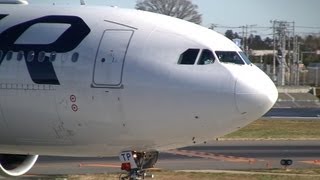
x: 229, y: 34
x: 183, y: 9
x: 268, y: 42
x: 256, y: 42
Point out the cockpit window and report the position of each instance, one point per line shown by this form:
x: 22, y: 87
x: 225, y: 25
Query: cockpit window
x: 245, y: 58
x: 189, y: 57
x: 229, y: 57
x: 206, y: 57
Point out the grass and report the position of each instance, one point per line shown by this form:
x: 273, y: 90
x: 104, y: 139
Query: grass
x: 251, y: 175
x: 279, y: 129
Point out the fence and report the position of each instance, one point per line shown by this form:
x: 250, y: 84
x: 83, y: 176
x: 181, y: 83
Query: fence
x: 309, y: 76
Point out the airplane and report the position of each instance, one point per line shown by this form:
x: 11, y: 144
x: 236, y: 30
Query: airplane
x: 88, y: 81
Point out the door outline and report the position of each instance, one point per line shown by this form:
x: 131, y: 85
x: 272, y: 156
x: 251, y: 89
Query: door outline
x: 119, y: 85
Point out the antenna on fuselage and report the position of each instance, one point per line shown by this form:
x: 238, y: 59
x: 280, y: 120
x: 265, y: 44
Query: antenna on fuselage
x: 82, y: 2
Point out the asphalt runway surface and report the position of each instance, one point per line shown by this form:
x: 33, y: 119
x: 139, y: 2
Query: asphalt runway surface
x: 217, y: 155
x: 293, y: 112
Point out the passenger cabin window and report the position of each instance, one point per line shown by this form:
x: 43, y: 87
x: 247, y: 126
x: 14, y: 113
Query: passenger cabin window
x: 9, y: 55
x: 75, y: 57
x: 189, y: 57
x: 41, y: 56
x: 206, y: 57
x: 229, y: 57
x: 30, y: 56
x: 20, y: 55
x: 53, y: 56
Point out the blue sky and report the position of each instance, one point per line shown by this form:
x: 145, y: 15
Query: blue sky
x: 238, y: 12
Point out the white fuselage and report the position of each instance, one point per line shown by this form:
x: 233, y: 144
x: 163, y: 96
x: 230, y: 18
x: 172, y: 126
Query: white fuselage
x: 125, y: 90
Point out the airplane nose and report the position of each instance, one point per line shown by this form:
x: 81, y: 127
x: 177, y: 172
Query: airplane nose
x: 255, y: 94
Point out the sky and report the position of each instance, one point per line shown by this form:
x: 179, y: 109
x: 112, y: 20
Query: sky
x: 236, y: 13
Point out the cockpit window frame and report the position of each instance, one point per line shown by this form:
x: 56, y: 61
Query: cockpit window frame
x: 245, y: 58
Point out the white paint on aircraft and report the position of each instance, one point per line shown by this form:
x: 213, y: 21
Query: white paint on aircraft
x: 134, y: 81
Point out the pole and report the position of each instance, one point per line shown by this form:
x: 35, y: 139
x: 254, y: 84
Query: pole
x: 274, y: 52
x: 298, y: 62
x: 243, y: 39
x: 247, y: 47
x: 316, y: 83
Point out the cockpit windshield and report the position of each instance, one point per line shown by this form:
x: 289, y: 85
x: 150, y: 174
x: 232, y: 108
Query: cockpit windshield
x: 229, y: 57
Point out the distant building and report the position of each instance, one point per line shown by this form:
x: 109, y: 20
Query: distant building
x: 237, y: 41
x: 261, y: 52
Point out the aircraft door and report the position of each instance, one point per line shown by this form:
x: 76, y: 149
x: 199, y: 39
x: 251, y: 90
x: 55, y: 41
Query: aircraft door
x: 110, y: 58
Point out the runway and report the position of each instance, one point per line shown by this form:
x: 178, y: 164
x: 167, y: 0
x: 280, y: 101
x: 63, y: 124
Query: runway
x: 293, y: 112
x: 216, y: 155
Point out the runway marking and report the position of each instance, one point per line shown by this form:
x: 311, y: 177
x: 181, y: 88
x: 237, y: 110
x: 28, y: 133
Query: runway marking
x: 213, y: 156
x: 315, y: 162
x: 100, y: 165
